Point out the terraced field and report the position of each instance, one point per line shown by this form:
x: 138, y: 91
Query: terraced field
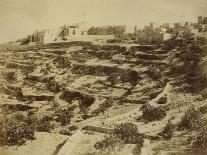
x: 100, y: 85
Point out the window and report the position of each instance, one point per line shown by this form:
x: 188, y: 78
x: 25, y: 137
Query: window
x: 73, y: 31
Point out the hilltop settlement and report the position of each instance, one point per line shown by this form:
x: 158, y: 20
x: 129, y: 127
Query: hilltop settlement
x: 93, y: 90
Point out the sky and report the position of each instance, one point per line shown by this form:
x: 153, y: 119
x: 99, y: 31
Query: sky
x: 18, y: 18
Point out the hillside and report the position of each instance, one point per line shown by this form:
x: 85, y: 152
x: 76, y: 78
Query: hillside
x: 75, y: 95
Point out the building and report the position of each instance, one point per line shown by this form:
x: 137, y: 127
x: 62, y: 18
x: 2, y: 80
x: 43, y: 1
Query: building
x: 200, y: 19
x: 77, y: 29
x: 167, y: 36
x: 107, y: 30
x: 60, y: 34
x: 204, y: 21
x: 37, y: 37
x: 194, y: 30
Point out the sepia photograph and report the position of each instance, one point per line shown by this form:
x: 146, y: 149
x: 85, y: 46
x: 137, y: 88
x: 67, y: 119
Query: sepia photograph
x: 103, y: 77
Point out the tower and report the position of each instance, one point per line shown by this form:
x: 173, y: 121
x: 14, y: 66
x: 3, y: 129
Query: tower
x: 200, y: 18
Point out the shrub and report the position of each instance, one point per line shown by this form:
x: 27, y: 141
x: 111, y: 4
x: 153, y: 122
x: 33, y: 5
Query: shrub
x: 130, y: 76
x: 128, y: 132
x: 15, y: 130
x: 153, y: 113
x: 154, y: 72
x: 162, y: 100
x: 200, y: 143
x: 62, y: 62
x: 72, y: 128
x: 65, y: 132
x: 191, y: 120
x: 125, y: 133
x: 109, y: 143
x: 64, y: 115
x: 85, y: 116
x: 10, y: 76
x: 55, y: 104
x: 137, y: 149
x: 168, y: 130
x: 187, y: 59
x: 203, y: 109
x: 191, y: 56
x: 44, y: 124
x: 54, y: 86
x: 112, y: 78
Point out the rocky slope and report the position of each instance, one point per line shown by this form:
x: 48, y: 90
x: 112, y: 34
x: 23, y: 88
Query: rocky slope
x: 84, y: 90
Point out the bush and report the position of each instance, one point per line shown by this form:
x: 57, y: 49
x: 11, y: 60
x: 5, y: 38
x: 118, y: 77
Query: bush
x: 203, y: 109
x: 62, y: 62
x: 64, y: 115
x: 154, y: 72
x: 162, y: 100
x: 55, y: 104
x: 65, y: 132
x: 128, y: 132
x: 72, y: 128
x: 85, y: 116
x: 191, y: 56
x: 153, y: 113
x: 109, y: 143
x: 200, y: 143
x: 10, y: 76
x: 167, y: 132
x: 112, y: 78
x: 44, y: 124
x: 54, y: 86
x: 15, y: 130
x: 125, y: 133
x: 130, y: 76
x: 191, y: 120
x: 187, y: 59
x: 137, y: 149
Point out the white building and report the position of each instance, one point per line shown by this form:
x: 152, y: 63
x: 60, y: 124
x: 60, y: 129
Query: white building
x: 167, y: 36
x: 63, y: 33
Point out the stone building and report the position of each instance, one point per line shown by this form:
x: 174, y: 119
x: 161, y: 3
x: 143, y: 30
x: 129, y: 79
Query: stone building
x: 59, y: 34
x: 37, y: 37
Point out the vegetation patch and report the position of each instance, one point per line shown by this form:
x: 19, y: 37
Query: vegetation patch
x: 9, y: 76
x: 64, y: 115
x: 168, y: 130
x: 151, y: 113
x: 162, y: 100
x: 72, y: 128
x: 200, y: 143
x: 125, y: 133
x: 109, y: 143
x: 155, y: 72
x: 191, y: 120
x: 65, y: 132
x: 128, y: 132
x: 203, y: 109
x: 44, y: 124
x: 16, y: 130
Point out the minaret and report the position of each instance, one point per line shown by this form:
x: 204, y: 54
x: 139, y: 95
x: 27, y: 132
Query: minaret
x: 135, y: 29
